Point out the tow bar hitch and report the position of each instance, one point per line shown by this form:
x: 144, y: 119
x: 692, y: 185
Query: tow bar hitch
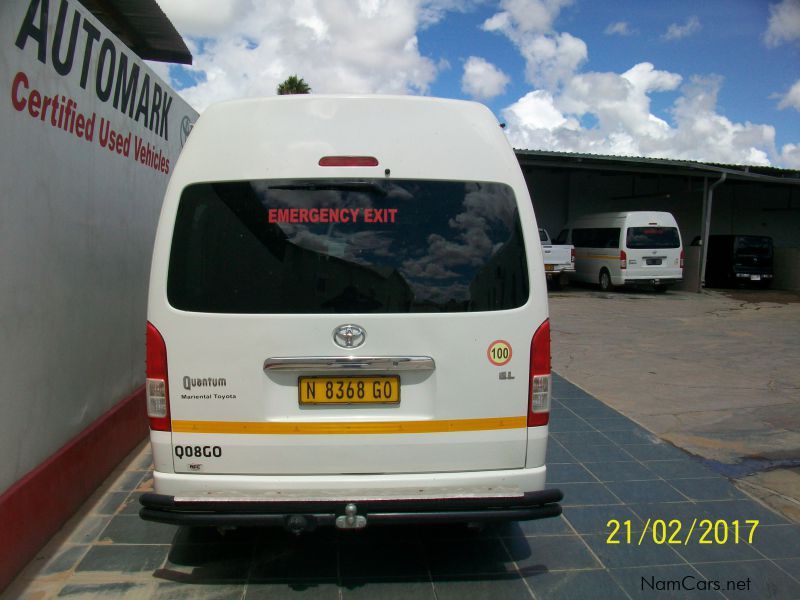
x: 351, y: 519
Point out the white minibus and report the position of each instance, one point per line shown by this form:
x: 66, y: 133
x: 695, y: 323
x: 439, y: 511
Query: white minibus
x: 641, y: 248
x: 347, y: 320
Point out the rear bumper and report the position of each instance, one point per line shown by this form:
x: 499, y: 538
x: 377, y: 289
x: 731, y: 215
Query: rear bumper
x: 651, y: 281
x: 555, y: 269
x: 557, y: 273
x: 355, y: 513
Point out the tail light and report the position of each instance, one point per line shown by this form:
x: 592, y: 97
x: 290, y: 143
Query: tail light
x: 572, y: 255
x: 623, y: 260
x: 539, y: 391
x: 157, y: 385
x: 681, y: 258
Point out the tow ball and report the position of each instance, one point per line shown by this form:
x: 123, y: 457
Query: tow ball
x: 351, y: 519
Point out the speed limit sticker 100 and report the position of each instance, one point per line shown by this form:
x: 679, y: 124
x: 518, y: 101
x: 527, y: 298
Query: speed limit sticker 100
x: 499, y: 352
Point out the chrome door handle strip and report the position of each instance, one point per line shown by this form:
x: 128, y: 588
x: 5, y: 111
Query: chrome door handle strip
x: 347, y: 363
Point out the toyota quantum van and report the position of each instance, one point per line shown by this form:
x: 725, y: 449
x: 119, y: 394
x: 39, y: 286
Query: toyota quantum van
x: 347, y: 320
x: 640, y: 248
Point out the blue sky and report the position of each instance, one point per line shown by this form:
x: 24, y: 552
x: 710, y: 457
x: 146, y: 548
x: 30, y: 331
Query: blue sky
x: 570, y: 75
x: 728, y: 44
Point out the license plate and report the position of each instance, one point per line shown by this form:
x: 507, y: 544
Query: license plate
x: 653, y: 261
x: 548, y: 267
x: 349, y: 390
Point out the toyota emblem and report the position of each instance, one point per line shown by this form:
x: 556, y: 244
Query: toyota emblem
x: 349, y: 336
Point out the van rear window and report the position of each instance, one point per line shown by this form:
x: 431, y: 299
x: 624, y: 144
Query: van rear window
x: 754, y: 245
x: 652, y: 237
x: 347, y: 246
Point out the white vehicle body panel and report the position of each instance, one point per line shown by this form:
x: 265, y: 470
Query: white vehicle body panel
x: 557, y: 257
x: 460, y: 423
x: 591, y: 261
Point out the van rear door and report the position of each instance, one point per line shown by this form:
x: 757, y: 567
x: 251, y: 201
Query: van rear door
x: 325, y: 326
x: 653, y: 251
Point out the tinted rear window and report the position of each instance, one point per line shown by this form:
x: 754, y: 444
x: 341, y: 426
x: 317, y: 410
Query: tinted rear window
x: 653, y: 237
x: 336, y: 246
x: 754, y: 245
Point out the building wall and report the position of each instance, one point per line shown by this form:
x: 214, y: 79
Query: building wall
x: 752, y: 209
x: 547, y: 193
x: 90, y: 135
x: 787, y: 269
x: 739, y: 207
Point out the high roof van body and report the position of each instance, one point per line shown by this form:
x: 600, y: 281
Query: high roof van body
x: 347, y: 319
x: 639, y: 248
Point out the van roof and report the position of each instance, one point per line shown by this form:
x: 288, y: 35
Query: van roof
x: 637, y: 215
x: 286, y: 136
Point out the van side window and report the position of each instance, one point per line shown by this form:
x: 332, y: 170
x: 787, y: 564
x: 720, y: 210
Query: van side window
x: 608, y: 237
x: 582, y: 238
x: 596, y: 237
x: 347, y: 246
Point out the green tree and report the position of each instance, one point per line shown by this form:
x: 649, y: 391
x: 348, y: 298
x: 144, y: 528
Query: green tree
x: 293, y: 85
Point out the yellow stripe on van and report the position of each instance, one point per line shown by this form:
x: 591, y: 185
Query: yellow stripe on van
x: 350, y: 427
x: 601, y: 256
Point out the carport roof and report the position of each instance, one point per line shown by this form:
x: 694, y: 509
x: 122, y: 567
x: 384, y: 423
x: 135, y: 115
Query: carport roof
x: 570, y: 160
x: 143, y: 27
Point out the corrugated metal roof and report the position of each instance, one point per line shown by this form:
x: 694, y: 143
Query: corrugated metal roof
x: 641, y: 163
x: 143, y: 27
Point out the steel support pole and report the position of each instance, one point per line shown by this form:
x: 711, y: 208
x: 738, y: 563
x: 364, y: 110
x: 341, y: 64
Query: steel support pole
x: 708, y: 205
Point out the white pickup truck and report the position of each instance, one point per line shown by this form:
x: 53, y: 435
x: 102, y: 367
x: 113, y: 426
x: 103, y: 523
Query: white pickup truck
x: 559, y: 260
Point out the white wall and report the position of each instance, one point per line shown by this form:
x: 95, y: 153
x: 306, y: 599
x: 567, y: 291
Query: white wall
x: 77, y: 223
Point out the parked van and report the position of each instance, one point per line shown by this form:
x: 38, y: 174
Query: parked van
x: 739, y: 259
x: 347, y: 320
x: 640, y: 248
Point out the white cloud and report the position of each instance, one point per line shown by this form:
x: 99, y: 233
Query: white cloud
x: 784, y: 23
x: 790, y: 156
x: 528, y: 16
x: 482, y: 80
x: 792, y: 98
x: 625, y: 124
x: 433, y: 11
x: 703, y: 134
x: 337, y: 46
x: 244, y: 48
x: 536, y: 111
x: 611, y: 113
x: 620, y: 102
x: 203, y: 18
x: 622, y: 28
x: 550, y: 57
x: 678, y: 32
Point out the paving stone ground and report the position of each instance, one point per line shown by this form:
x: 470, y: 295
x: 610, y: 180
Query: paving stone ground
x: 609, y: 468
